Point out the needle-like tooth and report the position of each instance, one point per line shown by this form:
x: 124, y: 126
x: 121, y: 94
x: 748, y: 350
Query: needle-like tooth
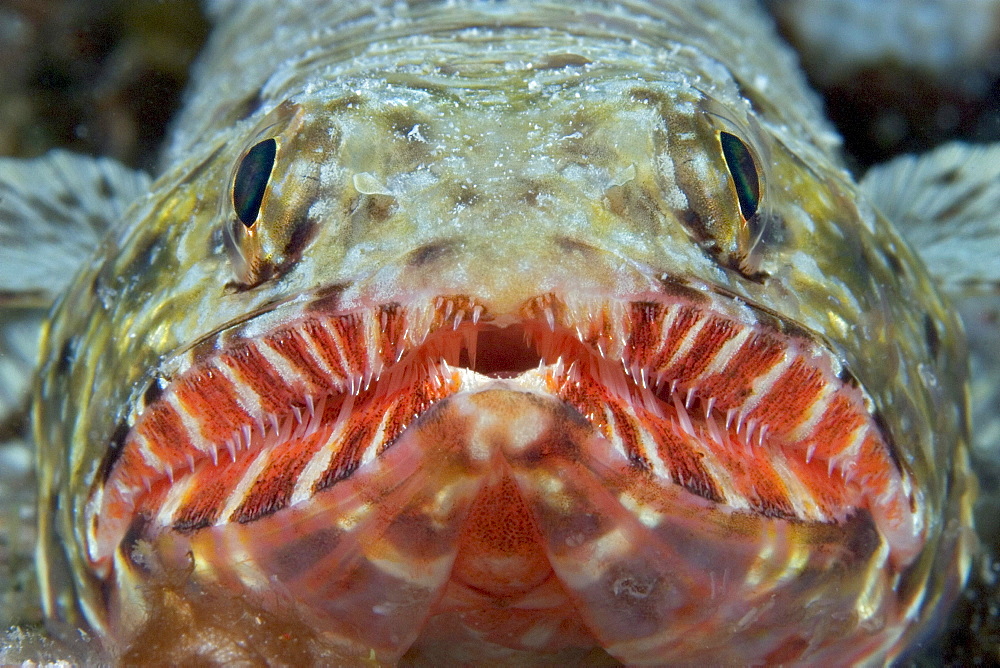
x: 246, y: 436
x: 273, y: 419
x: 170, y: 475
x: 449, y: 309
x: 810, y: 451
x: 760, y: 435
x: 457, y: 320
x: 232, y: 450
x: 297, y: 413
x: 477, y: 312
x: 689, y: 398
x: 729, y: 417
x: 713, y: 429
x: 550, y: 317
x: 739, y: 422
x: 190, y: 462
x: 683, y: 419
x: 709, y: 405
x: 310, y: 406
x: 215, y: 456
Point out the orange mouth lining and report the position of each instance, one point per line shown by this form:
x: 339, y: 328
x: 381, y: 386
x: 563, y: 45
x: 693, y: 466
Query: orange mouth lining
x: 730, y: 409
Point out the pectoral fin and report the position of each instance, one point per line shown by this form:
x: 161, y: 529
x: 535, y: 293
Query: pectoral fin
x: 947, y: 204
x: 54, y: 210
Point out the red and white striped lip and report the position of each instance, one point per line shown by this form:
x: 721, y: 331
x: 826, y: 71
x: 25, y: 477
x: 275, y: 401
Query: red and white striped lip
x: 700, y: 390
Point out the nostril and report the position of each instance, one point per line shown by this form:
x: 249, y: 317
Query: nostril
x: 501, y: 352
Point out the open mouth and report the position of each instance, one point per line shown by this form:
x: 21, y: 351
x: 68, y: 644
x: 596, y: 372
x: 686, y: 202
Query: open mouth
x: 699, y: 392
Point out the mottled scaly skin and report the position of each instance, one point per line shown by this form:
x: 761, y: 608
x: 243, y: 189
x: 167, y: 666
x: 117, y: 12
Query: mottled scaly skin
x: 502, y: 150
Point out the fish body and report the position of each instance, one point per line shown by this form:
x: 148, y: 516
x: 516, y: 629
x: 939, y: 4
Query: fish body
x: 502, y: 331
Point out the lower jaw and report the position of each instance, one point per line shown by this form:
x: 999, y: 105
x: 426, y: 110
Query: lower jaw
x: 502, y: 527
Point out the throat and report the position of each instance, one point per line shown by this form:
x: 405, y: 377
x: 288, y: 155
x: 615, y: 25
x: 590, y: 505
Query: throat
x: 503, y: 590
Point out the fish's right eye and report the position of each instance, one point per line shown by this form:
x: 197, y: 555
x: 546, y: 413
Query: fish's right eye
x: 250, y: 182
x: 743, y: 172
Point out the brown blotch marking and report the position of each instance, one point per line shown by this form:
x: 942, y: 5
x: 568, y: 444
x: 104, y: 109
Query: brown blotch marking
x: 648, y: 96
x: 303, y: 231
x: 464, y: 194
x: 633, y: 203
x: 699, y: 230
x: 430, y: 253
x: 327, y: 299
x: 574, y: 246
x: 140, y: 265
x: 248, y: 106
x: 203, y: 352
x: 588, y: 399
x: 557, y: 61
x: 375, y: 208
x: 672, y: 286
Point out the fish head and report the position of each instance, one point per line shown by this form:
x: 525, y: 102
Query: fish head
x: 590, y: 364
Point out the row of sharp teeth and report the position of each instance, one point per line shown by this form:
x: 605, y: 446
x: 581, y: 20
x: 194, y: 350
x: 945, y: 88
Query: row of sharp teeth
x: 612, y: 374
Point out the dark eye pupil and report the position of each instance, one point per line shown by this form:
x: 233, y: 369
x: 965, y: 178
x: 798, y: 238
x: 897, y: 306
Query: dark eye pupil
x: 251, y: 180
x: 743, y: 172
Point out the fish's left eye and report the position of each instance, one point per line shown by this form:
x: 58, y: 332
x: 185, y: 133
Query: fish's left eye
x: 250, y: 182
x: 743, y: 172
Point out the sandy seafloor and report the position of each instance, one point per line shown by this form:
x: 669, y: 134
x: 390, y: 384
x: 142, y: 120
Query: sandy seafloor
x: 104, y: 77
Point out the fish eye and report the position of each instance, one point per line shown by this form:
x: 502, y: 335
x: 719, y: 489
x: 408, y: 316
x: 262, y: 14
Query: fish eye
x: 743, y: 172
x: 251, y: 180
